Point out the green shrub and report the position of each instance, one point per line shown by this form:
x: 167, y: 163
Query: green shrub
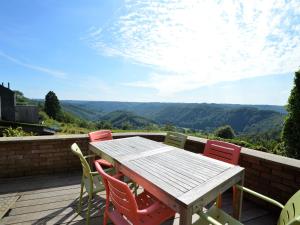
x: 225, y: 132
x: 17, y: 132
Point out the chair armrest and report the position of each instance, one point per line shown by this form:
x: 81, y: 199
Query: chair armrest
x: 94, y: 173
x: 258, y: 195
x: 209, y: 218
x: 109, y: 171
x: 89, y: 156
x: 150, y: 209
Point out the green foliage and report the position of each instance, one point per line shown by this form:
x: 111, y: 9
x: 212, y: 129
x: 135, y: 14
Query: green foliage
x: 21, y: 99
x: 225, y: 132
x: 291, y: 129
x: 128, y: 120
x: 169, y: 127
x: 103, y: 125
x: 126, y: 126
x: 52, y: 106
x: 279, y: 149
x: 68, y: 128
x: 17, y: 132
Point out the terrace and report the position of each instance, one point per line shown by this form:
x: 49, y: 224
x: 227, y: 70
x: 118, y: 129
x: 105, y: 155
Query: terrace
x: 42, y: 177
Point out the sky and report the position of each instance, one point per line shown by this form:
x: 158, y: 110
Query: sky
x: 243, y: 52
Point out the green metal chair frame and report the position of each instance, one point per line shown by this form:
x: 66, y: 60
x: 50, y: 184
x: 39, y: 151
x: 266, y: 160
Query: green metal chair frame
x: 175, y: 139
x: 90, y: 180
x: 290, y: 212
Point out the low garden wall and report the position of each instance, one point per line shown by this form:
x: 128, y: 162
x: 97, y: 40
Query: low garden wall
x: 275, y: 176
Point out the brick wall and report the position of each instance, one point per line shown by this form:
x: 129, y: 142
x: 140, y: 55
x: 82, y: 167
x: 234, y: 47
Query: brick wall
x: 39, y: 155
x: 26, y: 156
x: 275, y: 176
x: 272, y: 175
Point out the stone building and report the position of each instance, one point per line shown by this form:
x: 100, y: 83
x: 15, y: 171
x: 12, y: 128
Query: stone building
x: 7, y: 103
x: 10, y: 111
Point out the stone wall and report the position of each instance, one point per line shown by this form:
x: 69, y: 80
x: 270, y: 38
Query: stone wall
x: 275, y: 176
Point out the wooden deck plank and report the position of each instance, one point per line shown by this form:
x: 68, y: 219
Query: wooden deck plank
x: 44, y: 190
x: 6, y: 204
x: 12, y: 185
x: 49, y: 194
x: 36, y: 211
x: 32, y: 202
x: 98, y: 202
x: 269, y: 219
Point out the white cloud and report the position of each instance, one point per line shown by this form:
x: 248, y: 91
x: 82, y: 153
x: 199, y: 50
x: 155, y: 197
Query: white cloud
x: 55, y: 73
x: 196, y: 43
x: 88, y: 87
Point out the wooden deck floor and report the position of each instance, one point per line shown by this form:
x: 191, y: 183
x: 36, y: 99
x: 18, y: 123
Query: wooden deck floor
x: 52, y: 199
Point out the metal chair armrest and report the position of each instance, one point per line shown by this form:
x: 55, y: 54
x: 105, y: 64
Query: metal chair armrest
x: 258, y: 195
x: 89, y: 156
x: 209, y: 218
x: 94, y: 173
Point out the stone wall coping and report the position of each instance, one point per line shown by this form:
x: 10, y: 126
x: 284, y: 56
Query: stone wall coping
x: 43, y: 138
x: 71, y: 136
x: 271, y: 157
x: 246, y: 151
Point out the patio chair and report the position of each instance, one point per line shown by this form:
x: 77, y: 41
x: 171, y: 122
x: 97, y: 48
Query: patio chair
x: 90, y: 180
x: 290, y: 212
x: 225, y: 152
x: 101, y: 135
x: 175, y: 139
x: 124, y: 208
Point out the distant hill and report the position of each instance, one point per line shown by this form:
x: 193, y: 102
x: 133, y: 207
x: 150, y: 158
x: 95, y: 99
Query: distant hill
x: 121, y: 118
x: 206, y: 117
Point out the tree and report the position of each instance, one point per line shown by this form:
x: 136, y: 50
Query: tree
x: 291, y: 129
x: 52, y: 106
x: 225, y: 132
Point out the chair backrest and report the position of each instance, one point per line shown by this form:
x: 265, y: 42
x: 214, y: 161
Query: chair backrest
x: 175, y: 139
x: 222, y: 151
x: 119, y: 194
x: 85, y: 166
x: 290, y: 214
x: 100, y: 135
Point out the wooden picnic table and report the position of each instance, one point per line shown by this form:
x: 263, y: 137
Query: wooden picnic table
x: 182, y: 180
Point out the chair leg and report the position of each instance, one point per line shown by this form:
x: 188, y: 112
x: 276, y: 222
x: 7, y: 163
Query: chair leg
x: 80, y: 198
x: 105, y: 218
x: 219, y: 201
x: 233, y: 194
x: 89, y: 209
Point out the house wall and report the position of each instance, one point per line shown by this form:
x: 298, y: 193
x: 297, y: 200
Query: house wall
x: 275, y: 176
x: 7, y: 104
x: 0, y: 109
x: 27, y: 114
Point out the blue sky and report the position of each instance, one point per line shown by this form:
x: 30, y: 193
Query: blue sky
x: 168, y: 51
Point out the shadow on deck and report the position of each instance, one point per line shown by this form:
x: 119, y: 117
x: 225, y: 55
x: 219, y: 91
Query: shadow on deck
x: 53, y: 199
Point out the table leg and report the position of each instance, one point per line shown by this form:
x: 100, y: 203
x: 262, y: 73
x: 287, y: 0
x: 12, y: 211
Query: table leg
x: 186, y: 216
x: 238, y: 201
